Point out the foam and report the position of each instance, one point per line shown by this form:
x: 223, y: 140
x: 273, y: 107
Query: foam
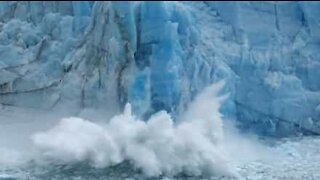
x: 157, y: 146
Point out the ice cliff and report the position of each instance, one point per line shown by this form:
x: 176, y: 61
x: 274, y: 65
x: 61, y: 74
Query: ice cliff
x: 159, y: 55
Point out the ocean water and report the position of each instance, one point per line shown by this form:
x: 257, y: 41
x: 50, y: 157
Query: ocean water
x: 299, y: 160
x: 202, y: 145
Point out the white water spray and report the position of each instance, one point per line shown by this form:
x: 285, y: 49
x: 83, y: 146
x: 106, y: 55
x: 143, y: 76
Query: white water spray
x: 157, y: 146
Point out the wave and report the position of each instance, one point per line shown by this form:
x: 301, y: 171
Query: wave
x: 156, y: 146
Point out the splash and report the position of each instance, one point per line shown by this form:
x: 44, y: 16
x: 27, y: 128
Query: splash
x: 157, y: 146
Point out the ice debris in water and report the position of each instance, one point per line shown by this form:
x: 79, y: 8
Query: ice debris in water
x: 157, y: 146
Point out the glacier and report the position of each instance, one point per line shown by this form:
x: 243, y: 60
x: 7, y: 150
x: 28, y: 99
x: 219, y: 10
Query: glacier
x: 159, y: 90
x: 158, y: 55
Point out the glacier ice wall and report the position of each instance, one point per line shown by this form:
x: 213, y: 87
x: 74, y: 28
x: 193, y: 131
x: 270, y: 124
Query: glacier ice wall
x: 278, y: 85
x: 159, y: 55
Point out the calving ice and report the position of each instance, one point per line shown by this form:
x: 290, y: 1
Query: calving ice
x: 88, y: 60
x: 158, y: 146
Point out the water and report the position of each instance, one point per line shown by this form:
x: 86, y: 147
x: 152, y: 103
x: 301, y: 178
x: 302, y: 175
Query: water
x: 38, y: 146
x: 300, y: 159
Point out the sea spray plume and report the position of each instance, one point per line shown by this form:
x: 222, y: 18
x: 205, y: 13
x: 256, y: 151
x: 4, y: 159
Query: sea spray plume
x: 75, y: 139
x: 10, y: 157
x: 204, y: 110
x: 157, y: 146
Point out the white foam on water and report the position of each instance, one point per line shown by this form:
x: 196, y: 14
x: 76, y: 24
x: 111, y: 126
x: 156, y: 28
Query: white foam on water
x: 156, y: 146
x: 200, y: 144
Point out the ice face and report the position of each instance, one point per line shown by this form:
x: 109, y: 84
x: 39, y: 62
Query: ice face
x: 275, y: 86
x: 159, y: 55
